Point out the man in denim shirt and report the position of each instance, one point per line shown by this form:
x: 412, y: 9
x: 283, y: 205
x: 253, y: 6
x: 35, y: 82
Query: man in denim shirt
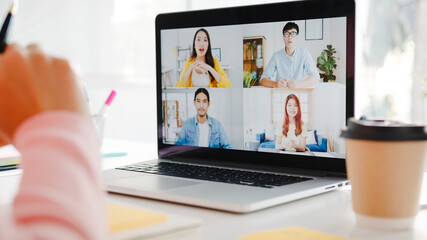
x: 294, y: 66
x: 201, y: 130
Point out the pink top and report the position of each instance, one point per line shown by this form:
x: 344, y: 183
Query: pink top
x: 61, y: 193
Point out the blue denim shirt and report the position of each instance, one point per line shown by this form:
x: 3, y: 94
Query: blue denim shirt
x: 189, y: 134
x: 291, y: 67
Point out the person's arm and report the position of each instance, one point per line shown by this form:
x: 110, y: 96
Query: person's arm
x: 217, y: 72
x: 208, y: 68
x: 310, y: 81
x: 46, y: 117
x: 224, y: 80
x: 300, y: 147
x: 268, y: 74
x: 266, y: 82
x: 279, y: 142
x: 224, y: 142
x: 61, y: 189
x: 183, y: 80
x: 181, y: 136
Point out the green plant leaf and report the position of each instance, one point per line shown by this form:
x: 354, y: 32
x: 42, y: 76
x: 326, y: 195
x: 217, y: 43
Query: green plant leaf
x: 324, y: 55
x: 328, y: 66
x: 321, y: 60
x: 326, y: 63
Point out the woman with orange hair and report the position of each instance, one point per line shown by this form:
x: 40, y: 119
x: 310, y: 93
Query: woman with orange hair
x: 291, y: 132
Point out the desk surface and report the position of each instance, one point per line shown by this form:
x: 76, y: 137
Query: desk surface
x: 329, y: 212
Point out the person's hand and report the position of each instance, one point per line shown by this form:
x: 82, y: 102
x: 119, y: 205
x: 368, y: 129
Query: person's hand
x: 292, y: 84
x: 195, y: 66
x: 201, y: 67
x: 32, y: 82
x: 288, y: 144
x: 282, y: 83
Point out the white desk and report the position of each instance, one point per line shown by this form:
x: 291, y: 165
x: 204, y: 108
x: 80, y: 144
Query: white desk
x: 330, y: 212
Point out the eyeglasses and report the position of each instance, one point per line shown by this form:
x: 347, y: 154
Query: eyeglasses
x: 292, y: 34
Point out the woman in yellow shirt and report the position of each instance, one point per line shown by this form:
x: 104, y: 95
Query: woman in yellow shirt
x: 291, y: 132
x: 202, y: 69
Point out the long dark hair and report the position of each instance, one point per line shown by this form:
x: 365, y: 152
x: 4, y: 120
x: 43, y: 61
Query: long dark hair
x: 298, y: 122
x: 208, y: 57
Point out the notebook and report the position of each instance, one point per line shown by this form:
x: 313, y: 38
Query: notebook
x: 291, y: 233
x: 264, y: 130
x: 129, y: 222
x: 9, y: 158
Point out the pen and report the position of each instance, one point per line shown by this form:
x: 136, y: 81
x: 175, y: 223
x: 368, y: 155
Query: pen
x: 6, y: 24
x: 107, y: 103
x: 114, y: 154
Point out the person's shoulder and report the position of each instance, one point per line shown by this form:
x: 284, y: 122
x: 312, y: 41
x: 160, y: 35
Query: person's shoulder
x: 304, y: 51
x: 214, y: 121
x: 188, y: 122
x: 279, y: 52
x: 278, y: 55
x: 216, y: 61
x: 189, y: 61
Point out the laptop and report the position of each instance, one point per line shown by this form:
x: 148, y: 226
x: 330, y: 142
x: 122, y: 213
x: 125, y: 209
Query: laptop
x: 248, y: 114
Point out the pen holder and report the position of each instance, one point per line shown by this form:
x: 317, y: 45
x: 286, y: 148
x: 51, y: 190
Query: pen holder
x: 99, y: 123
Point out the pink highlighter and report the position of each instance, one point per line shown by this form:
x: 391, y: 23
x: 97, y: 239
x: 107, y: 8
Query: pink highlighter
x: 107, y: 103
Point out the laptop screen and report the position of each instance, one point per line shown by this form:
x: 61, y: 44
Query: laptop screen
x: 279, y: 86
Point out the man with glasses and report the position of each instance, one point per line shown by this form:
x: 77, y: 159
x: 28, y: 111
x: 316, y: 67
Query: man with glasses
x: 293, y: 65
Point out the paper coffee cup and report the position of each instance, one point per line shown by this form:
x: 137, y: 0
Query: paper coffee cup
x: 385, y: 166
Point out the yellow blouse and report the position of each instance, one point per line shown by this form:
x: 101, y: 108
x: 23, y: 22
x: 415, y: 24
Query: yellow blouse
x: 224, y: 83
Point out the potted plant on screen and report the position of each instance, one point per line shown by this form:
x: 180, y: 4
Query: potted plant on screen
x: 249, y: 79
x: 326, y: 63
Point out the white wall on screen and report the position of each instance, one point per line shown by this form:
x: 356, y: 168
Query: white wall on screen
x: 329, y: 112
x: 257, y: 109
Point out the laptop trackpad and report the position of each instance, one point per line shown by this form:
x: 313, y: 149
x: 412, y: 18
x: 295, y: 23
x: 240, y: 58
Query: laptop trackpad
x: 152, y: 183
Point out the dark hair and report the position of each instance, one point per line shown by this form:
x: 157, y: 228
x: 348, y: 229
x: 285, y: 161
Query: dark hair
x: 201, y: 90
x: 289, y: 26
x: 208, y: 57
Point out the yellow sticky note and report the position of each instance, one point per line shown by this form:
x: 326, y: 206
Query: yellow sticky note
x: 124, y: 218
x: 291, y: 233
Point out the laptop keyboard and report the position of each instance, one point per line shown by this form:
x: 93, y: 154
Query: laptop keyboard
x: 249, y: 178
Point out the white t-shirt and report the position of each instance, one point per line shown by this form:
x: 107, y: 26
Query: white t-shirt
x: 204, y: 134
x: 200, y: 79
